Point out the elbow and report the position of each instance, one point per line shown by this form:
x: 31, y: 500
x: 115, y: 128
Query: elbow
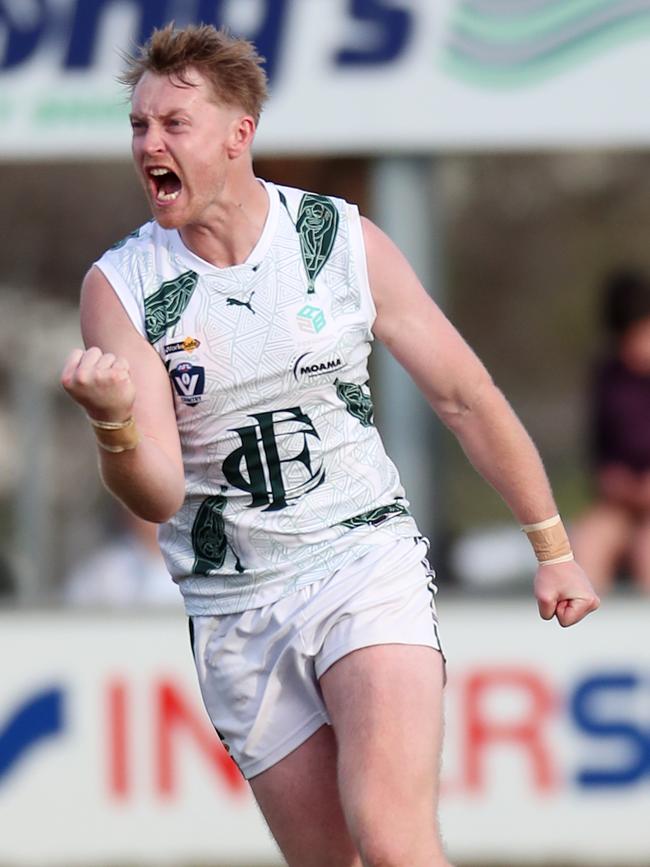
x: 460, y: 408
x: 158, y: 513
x: 156, y: 507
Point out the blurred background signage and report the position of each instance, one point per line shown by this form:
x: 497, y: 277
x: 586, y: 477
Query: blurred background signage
x: 547, y: 752
x: 346, y: 75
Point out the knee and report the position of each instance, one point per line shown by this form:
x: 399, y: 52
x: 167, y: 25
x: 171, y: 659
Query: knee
x: 381, y: 849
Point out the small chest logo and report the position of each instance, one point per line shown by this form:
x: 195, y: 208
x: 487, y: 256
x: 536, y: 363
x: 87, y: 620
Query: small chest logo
x: 311, y: 319
x: 311, y: 366
x: 235, y: 302
x: 189, y: 344
x: 189, y: 382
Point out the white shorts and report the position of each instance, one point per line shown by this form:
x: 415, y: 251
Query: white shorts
x: 259, y: 669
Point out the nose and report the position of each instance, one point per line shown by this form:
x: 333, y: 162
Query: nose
x: 152, y: 140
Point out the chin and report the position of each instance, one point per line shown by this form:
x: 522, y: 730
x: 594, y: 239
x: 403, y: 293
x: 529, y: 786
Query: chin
x: 167, y: 220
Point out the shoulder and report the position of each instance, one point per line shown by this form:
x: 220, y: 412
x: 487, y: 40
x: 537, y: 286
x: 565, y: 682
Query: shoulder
x: 149, y: 232
x: 299, y: 201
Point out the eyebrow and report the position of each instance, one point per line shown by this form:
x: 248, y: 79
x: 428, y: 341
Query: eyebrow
x: 134, y: 115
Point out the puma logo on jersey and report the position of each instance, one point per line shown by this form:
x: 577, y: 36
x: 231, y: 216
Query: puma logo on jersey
x: 235, y: 301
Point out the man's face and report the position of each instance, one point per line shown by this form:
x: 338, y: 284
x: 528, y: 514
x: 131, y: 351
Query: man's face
x: 181, y: 141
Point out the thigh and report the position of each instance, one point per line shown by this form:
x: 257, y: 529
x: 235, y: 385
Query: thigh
x: 385, y: 703
x: 600, y: 540
x: 640, y: 556
x: 300, y: 802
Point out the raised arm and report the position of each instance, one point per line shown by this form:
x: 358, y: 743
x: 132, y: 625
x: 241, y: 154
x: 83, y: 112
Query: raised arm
x: 463, y: 395
x: 120, y: 375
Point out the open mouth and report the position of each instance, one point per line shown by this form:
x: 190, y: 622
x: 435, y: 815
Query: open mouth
x: 166, y: 185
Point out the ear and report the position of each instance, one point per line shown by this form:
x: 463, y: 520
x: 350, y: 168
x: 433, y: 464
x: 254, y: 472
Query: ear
x: 241, y: 134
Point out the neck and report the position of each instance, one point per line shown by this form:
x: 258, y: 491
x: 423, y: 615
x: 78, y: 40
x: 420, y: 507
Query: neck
x: 234, y: 226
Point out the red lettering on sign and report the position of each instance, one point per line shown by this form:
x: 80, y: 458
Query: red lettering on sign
x: 527, y: 733
x: 118, y: 754
x: 176, y: 714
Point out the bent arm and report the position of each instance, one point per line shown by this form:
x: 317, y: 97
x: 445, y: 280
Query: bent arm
x: 118, y: 375
x: 455, y: 382
x: 463, y: 395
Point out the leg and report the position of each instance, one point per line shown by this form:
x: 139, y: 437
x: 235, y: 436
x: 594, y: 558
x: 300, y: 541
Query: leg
x: 600, y: 539
x: 640, y: 556
x: 385, y: 703
x: 300, y: 802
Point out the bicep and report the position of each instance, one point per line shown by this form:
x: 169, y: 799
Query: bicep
x: 415, y: 330
x: 106, y: 324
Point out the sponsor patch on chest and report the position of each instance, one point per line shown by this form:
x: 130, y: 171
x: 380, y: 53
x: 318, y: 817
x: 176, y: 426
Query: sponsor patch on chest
x: 316, y: 365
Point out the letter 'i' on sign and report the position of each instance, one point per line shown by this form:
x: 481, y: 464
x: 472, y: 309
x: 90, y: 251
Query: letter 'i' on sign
x: 525, y: 733
x: 175, y: 719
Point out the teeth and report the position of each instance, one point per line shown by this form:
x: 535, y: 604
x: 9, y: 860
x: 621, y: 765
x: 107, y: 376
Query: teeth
x: 158, y: 172
x: 168, y: 197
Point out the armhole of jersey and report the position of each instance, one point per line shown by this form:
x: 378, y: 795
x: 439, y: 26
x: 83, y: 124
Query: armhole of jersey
x: 124, y: 293
x: 358, y: 250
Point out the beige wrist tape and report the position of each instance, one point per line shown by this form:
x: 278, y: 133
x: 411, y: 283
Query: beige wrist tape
x: 116, y: 436
x: 550, y: 541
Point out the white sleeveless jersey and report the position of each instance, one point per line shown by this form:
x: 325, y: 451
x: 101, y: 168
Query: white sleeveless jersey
x: 286, y: 476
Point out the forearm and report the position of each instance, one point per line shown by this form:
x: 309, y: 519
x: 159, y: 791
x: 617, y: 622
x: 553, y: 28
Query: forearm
x: 145, y: 479
x: 500, y: 449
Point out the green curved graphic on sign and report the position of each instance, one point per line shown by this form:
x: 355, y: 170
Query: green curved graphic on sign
x: 164, y: 308
x: 501, y: 43
x: 317, y: 225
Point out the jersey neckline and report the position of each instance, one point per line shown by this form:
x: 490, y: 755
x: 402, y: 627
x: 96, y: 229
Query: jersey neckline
x: 259, y: 251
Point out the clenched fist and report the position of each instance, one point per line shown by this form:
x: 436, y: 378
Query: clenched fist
x: 564, y: 591
x: 100, y: 382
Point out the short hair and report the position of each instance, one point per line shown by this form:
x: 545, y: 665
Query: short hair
x: 625, y: 299
x: 232, y: 66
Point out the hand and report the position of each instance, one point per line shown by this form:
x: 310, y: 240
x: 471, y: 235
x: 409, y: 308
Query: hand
x: 101, y: 383
x: 564, y: 591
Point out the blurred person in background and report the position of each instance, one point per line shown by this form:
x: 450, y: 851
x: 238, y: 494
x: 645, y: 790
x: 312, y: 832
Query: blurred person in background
x: 226, y: 382
x: 128, y: 571
x: 7, y: 581
x: 612, y: 537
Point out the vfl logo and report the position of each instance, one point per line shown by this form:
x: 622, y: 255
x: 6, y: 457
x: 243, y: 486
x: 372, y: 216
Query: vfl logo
x: 302, y: 368
x: 235, y: 302
x: 189, y: 382
x: 311, y: 319
x: 38, y: 718
x: 279, y: 459
x: 189, y: 344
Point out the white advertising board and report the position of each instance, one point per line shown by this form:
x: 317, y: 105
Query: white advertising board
x: 346, y: 75
x: 106, y: 754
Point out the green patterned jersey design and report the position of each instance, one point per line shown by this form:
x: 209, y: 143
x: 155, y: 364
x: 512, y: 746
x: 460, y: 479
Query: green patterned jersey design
x: 357, y: 401
x: 317, y: 225
x: 164, y: 308
x: 209, y: 537
x: 377, y: 516
x: 119, y: 244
